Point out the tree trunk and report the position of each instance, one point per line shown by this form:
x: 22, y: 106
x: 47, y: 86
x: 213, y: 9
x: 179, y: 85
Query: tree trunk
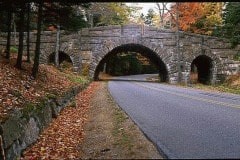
x: 161, y: 13
x: 9, y: 34
x: 178, y: 50
x: 21, y: 35
x: 57, y: 46
x: 14, y: 29
x: 28, y: 32
x: 38, y: 41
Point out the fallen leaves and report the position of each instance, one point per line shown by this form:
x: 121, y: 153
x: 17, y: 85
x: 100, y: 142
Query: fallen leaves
x: 17, y: 87
x: 61, y: 139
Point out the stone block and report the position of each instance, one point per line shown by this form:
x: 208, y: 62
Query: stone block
x: 169, y: 43
x: 85, y: 32
x: 12, y: 129
x: 86, y: 55
x: 31, y: 132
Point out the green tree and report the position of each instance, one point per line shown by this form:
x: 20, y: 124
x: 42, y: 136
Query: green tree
x: 7, y: 12
x: 149, y: 17
x: 125, y: 63
x: 21, y: 35
x: 63, y: 16
x: 135, y: 14
x: 212, y: 17
x: 231, y: 23
x: 68, y: 16
x: 114, y: 13
x: 38, y: 41
x: 28, y: 31
x: 9, y: 18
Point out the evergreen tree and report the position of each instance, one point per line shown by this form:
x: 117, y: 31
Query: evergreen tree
x: 69, y: 17
x: 231, y: 23
x: 21, y: 35
x: 9, y: 17
x: 38, y: 41
x: 63, y: 16
x: 149, y: 17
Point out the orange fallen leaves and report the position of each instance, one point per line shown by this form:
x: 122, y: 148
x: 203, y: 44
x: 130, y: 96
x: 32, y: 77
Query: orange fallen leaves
x: 62, y: 138
x: 17, y: 87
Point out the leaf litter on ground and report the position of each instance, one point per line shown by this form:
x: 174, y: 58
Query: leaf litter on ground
x: 61, y: 139
x: 17, y: 87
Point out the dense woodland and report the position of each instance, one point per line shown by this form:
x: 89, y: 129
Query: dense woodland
x: 220, y: 19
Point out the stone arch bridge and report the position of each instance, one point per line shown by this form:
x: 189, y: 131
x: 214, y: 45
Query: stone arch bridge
x: 212, y: 56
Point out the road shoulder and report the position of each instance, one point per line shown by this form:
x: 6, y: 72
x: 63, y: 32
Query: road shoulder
x: 110, y: 134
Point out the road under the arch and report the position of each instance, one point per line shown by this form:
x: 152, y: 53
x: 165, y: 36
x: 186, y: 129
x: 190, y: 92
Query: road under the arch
x: 144, y: 51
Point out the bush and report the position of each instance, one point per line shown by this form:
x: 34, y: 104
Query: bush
x: 85, y: 69
x: 13, y: 50
x: 237, y: 56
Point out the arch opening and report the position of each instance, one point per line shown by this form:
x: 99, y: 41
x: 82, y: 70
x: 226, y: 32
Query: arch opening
x: 64, y: 60
x: 201, y: 70
x: 132, y: 53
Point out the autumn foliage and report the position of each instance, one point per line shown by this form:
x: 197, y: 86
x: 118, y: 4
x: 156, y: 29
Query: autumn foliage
x: 189, y: 13
x: 198, y: 17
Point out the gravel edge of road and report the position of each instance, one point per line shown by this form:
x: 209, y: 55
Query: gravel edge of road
x: 159, y: 150
x: 125, y: 140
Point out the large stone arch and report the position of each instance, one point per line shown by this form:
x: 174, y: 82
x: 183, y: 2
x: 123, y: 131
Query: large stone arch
x: 217, y: 66
x: 109, y: 47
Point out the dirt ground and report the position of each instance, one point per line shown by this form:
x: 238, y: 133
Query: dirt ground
x: 110, y: 134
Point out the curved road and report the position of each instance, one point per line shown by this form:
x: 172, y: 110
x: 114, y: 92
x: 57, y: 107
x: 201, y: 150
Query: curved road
x: 182, y: 123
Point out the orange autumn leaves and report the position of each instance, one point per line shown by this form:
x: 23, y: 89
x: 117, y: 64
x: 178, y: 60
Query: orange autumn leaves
x: 18, y: 88
x: 198, y: 17
x: 62, y: 139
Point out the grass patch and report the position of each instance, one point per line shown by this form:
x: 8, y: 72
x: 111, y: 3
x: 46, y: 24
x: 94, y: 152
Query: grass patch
x: 219, y: 87
x: 230, y: 85
x: 51, y: 96
x: 16, y: 93
x: 123, y: 138
x: 78, y: 78
x: 229, y: 89
x: 237, y: 56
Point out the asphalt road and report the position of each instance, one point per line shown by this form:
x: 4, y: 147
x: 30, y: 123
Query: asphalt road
x: 182, y: 122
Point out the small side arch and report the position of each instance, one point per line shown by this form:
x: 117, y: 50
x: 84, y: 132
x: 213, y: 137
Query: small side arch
x: 201, y: 69
x: 203, y: 66
x: 62, y: 57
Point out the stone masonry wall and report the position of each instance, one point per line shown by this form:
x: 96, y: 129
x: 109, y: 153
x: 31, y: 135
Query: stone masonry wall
x: 22, y: 128
x: 90, y: 45
x: 99, y: 41
x: 69, y: 44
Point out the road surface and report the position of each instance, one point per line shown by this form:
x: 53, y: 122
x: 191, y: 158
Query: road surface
x: 182, y: 122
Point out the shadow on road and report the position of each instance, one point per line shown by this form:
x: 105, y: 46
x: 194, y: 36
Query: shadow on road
x: 128, y: 80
